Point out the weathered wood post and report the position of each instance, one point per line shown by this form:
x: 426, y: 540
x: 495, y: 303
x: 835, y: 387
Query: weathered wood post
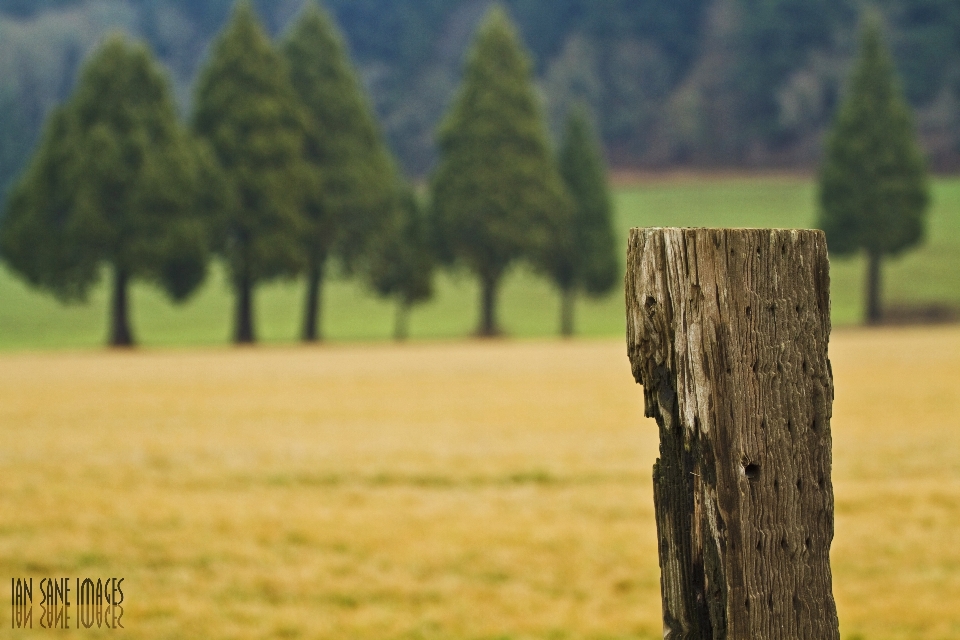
x: 727, y: 332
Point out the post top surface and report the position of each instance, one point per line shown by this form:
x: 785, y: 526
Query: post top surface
x: 724, y: 229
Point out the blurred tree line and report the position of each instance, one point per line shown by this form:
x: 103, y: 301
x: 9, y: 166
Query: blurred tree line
x: 283, y: 169
x: 704, y: 82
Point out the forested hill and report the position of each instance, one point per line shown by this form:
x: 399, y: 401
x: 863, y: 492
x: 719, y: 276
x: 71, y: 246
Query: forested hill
x: 686, y: 82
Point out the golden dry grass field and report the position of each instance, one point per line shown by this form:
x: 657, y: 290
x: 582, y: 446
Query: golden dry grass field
x: 458, y: 491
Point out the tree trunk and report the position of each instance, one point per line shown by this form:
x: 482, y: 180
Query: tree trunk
x: 727, y: 331
x: 312, y: 327
x: 401, y: 321
x: 874, y: 307
x: 568, y: 298
x: 120, y: 333
x: 488, y: 306
x: 243, y: 328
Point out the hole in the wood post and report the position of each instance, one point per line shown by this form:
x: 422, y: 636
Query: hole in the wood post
x: 808, y: 543
x: 758, y: 252
x: 776, y: 484
x: 772, y: 308
x: 755, y: 363
x: 763, y: 423
x: 815, y: 424
x: 783, y: 249
x: 746, y: 604
x: 749, y: 312
x: 799, y: 484
x: 804, y: 365
x: 770, y: 602
x: 751, y: 470
x: 759, y: 545
x: 799, y: 309
x: 783, y: 544
x: 779, y: 367
x: 820, y: 482
x: 790, y: 426
x: 650, y: 305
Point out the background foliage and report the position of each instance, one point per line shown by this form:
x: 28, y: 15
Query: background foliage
x: 873, y: 182
x: 353, y: 197
x: 661, y: 77
x: 530, y: 304
x: 116, y: 181
x: 247, y: 109
x: 496, y: 195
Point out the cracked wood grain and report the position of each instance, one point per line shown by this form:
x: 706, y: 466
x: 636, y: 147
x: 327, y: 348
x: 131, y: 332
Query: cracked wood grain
x: 727, y: 331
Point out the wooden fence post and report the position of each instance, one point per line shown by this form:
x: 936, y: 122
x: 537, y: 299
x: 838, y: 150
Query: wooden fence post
x: 727, y: 332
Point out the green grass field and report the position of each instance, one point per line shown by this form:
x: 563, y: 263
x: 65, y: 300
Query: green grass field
x: 529, y: 304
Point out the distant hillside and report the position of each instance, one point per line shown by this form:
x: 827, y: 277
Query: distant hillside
x: 688, y: 82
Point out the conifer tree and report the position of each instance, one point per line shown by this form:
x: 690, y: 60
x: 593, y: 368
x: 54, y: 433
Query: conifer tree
x: 585, y: 256
x: 247, y: 109
x: 117, y: 181
x: 353, y: 173
x: 404, y: 264
x: 496, y: 194
x: 873, y: 185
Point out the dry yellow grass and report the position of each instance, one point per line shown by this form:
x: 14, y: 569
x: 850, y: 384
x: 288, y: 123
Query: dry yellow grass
x: 468, y: 491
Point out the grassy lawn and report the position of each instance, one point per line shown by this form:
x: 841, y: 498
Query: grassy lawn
x: 529, y: 304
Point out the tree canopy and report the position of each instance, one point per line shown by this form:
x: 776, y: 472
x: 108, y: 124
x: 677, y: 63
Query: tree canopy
x: 353, y: 185
x: 873, y: 185
x: 404, y: 261
x: 496, y: 192
x: 585, y: 256
x: 248, y: 111
x: 115, y: 181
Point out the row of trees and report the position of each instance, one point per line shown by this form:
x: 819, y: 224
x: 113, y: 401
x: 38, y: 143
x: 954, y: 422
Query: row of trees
x: 283, y: 171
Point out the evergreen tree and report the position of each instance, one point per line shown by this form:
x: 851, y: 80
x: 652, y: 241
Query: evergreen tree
x: 585, y: 258
x: 115, y: 181
x: 496, y: 193
x: 404, y: 263
x: 353, y: 174
x: 873, y: 185
x: 247, y: 109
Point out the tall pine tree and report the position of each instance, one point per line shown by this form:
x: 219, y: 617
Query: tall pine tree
x: 497, y: 195
x: 354, y: 177
x: 403, y: 265
x: 247, y: 109
x: 116, y: 181
x: 873, y: 185
x: 584, y: 258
